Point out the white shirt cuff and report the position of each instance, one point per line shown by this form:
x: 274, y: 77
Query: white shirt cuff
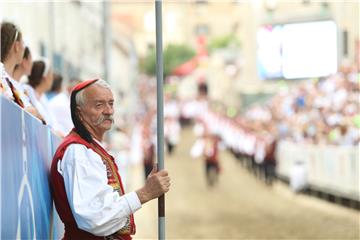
x: 133, y: 201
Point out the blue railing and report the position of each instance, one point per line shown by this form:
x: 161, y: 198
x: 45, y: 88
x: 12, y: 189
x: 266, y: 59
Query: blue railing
x: 26, y: 150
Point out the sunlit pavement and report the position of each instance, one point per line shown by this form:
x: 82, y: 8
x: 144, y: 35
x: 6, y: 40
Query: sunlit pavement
x: 240, y: 207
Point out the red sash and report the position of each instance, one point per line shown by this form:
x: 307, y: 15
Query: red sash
x: 60, y: 197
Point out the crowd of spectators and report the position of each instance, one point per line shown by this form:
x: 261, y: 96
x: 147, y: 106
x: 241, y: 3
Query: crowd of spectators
x: 29, y: 83
x: 324, y: 111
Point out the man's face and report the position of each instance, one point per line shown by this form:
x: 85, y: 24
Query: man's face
x: 97, y: 110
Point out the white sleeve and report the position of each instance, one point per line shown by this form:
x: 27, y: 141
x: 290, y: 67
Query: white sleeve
x: 95, y: 206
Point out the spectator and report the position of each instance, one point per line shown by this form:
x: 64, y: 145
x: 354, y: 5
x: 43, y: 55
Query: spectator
x: 40, y: 81
x: 12, y: 54
x: 56, y: 87
x: 59, y: 104
x: 23, y: 68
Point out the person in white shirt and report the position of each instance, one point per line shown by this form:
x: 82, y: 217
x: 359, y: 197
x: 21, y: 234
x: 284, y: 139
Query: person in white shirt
x: 21, y: 70
x: 12, y: 53
x: 24, y: 67
x: 59, y: 103
x: 85, y: 180
x: 40, y: 81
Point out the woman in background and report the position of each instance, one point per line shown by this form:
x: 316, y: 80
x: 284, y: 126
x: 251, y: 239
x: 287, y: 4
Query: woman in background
x: 40, y: 81
x: 24, y: 67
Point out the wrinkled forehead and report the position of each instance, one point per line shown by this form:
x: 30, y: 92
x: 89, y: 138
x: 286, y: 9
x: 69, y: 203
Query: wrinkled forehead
x: 98, y: 93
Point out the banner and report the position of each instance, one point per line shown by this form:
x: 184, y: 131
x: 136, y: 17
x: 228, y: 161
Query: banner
x: 27, y: 147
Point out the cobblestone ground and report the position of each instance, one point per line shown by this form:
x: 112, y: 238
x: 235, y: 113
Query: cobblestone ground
x: 240, y: 207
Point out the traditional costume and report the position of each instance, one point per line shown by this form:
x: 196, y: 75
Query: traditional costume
x: 87, y: 187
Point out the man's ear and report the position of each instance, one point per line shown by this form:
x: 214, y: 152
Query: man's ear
x: 78, y: 113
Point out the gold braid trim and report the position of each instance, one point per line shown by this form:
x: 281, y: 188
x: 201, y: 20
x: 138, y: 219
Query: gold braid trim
x: 109, y: 163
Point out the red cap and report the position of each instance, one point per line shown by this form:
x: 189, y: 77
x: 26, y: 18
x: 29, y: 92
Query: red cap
x: 83, y: 85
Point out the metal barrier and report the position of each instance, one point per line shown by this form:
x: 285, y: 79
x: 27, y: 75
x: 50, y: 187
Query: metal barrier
x: 26, y: 149
x: 330, y: 169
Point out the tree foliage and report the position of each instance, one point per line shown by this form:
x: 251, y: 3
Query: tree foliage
x: 174, y: 55
x: 226, y: 41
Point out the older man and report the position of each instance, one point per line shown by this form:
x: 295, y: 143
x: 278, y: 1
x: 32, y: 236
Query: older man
x: 85, y: 180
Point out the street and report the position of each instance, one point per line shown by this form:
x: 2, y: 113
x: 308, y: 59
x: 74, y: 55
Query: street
x: 239, y: 207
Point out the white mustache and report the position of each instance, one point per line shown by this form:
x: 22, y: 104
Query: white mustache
x: 103, y: 118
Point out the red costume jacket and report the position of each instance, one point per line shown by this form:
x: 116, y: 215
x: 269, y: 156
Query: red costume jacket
x: 60, y: 197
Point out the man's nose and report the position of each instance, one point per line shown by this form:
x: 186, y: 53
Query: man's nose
x: 109, y: 109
